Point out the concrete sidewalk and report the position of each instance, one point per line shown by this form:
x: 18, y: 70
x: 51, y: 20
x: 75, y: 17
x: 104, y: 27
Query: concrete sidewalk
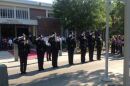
x: 5, y: 56
x: 88, y: 74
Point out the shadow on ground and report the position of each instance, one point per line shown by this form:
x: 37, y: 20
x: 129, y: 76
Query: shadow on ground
x: 114, y: 56
x: 78, y: 78
x: 5, y: 55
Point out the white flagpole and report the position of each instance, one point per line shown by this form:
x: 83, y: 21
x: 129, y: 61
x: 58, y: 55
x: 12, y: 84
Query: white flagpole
x: 106, y: 77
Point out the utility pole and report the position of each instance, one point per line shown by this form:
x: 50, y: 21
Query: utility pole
x: 106, y: 77
x: 126, y: 80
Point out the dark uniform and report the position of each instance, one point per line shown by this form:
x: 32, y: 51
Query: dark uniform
x: 91, y: 44
x: 83, y: 46
x: 41, y: 49
x: 99, y: 45
x: 71, y: 44
x: 55, y: 47
x: 48, y: 52
x: 23, y: 50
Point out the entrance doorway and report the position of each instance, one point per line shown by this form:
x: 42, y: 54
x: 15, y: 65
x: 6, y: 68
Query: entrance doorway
x: 7, y: 31
x: 10, y: 31
x: 20, y: 31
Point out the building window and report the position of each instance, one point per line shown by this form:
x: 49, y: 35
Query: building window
x: 21, y: 14
x: 6, y: 13
x: 50, y: 15
x: 10, y: 13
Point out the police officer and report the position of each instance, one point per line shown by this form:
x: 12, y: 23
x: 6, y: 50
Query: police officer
x: 91, y: 44
x: 83, y: 45
x: 99, y: 45
x: 23, y: 50
x: 55, y: 47
x: 71, y: 45
x: 41, y: 49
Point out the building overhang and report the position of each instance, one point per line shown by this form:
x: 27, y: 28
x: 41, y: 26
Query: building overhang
x: 28, y: 4
x: 18, y: 21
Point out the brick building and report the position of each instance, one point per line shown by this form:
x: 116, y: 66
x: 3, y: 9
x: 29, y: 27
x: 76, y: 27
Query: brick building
x: 29, y: 17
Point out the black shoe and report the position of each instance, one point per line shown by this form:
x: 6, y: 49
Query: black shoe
x: 82, y: 62
x: 25, y: 72
x: 55, y: 67
x: 71, y: 64
x: 41, y: 69
x: 91, y: 60
x: 98, y: 59
x: 22, y: 73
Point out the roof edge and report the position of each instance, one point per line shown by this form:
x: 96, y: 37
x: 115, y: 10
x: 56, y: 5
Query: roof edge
x: 28, y: 2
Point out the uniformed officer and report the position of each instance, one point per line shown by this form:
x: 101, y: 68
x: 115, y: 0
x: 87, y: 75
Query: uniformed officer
x: 41, y: 49
x: 83, y: 45
x: 99, y: 45
x: 23, y: 50
x: 71, y: 45
x: 55, y: 47
x: 91, y: 44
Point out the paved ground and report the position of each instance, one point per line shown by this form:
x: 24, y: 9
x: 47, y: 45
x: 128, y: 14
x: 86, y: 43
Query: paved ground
x: 88, y: 74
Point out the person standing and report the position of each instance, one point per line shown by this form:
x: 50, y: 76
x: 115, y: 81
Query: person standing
x: 99, y: 45
x: 48, y: 50
x: 116, y: 44
x: 55, y: 47
x: 83, y: 46
x: 23, y: 50
x: 10, y: 43
x: 41, y: 49
x: 120, y: 45
x: 71, y: 45
x: 113, y: 45
x: 91, y: 44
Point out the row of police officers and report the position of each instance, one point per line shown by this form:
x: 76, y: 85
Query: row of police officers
x: 87, y: 41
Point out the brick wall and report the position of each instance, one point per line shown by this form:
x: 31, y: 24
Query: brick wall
x: 45, y: 25
x: 34, y: 13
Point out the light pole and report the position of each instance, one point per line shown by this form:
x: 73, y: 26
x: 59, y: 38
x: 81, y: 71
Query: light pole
x: 106, y: 77
x: 126, y: 78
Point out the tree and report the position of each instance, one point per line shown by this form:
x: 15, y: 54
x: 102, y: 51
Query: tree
x: 117, y: 18
x: 80, y: 14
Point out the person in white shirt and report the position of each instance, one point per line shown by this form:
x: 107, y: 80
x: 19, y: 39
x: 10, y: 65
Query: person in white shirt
x: 48, y: 51
x: 10, y: 43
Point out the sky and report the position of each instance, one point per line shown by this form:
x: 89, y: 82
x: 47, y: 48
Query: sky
x: 46, y: 1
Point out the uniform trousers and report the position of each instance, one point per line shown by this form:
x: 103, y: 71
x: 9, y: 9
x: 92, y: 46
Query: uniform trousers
x: 40, y: 60
x: 54, y: 58
x: 70, y: 56
x: 83, y: 53
x: 23, y: 64
x: 99, y: 49
x: 91, y: 50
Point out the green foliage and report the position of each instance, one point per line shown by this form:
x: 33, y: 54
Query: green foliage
x: 89, y: 14
x: 117, y: 18
x: 80, y: 14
